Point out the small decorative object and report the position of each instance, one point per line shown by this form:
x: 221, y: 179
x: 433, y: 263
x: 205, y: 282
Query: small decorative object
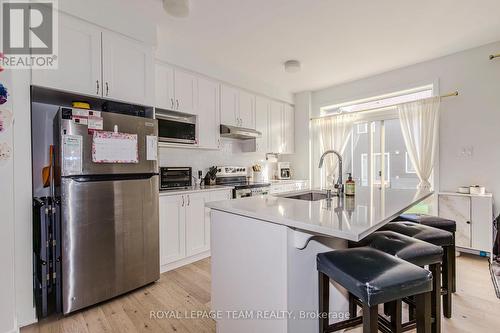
x: 80, y: 105
x: 5, y: 151
x: 258, y: 175
x: 477, y: 190
x: 3, y: 94
x: 2, y: 57
x: 5, y: 119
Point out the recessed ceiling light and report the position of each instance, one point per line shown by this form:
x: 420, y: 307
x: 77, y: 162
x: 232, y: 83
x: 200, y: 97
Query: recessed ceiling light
x: 292, y: 66
x: 176, y: 8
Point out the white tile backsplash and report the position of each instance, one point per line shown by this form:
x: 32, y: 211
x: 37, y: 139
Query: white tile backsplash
x: 203, y: 159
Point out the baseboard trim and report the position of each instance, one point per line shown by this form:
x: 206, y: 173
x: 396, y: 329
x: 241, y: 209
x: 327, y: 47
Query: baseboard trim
x: 184, y: 261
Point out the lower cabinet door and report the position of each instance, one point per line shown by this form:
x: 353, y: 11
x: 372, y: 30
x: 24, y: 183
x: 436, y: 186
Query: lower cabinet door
x: 458, y: 208
x: 196, y: 223
x: 172, y: 228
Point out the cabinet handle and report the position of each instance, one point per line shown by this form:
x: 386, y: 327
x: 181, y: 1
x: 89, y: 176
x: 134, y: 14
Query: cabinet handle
x: 182, y: 201
x: 97, y: 82
x: 177, y: 101
x: 107, y: 89
x: 172, y: 100
x: 189, y: 200
x: 468, y: 222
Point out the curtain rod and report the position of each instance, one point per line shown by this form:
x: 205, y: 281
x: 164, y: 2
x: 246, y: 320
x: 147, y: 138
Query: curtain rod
x: 493, y: 56
x: 455, y: 93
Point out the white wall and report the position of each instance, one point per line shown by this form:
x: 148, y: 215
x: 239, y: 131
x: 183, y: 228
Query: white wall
x: 200, y: 65
x: 470, y: 120
x: 134, y: 18
x: 7, y: 284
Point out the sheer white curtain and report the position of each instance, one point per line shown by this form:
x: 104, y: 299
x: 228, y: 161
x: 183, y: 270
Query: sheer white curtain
x: 334, y: 133
x: 419, y: 124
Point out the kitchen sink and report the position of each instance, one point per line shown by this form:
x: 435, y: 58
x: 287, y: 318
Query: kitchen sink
x: 308, y: 196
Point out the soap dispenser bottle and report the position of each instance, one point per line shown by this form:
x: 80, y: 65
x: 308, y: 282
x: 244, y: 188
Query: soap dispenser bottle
x: 350, y: 186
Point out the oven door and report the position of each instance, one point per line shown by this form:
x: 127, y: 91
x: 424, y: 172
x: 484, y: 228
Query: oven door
x: 242, y: 193
x: 176, y: 130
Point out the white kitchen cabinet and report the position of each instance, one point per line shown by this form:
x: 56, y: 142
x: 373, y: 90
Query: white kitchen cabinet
x: 208, y: 113
x: 288, y: 129
x: 172, y: 229
x: 237, y: 107
x: 127, y: 69
x: 246, y: 110
x: 185, y: 227
x: 474, y: 217
x: 164, y: 86
x: 100, y: 63
x: 186, y: 91
x: 229, y: 104
x: 275, y: 127
x: 175, y: 89
x: 196, y: 224
x: 79, y: 59
x: 262, y: 106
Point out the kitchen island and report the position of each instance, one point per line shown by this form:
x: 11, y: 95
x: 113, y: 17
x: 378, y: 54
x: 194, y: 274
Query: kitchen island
x: 264, y: 248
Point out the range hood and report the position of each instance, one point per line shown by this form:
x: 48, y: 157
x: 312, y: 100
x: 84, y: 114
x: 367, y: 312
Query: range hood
x: 240, y: 133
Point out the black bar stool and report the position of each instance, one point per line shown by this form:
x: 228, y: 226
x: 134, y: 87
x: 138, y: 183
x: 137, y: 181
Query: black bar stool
x: 437, y: 237
x: 374, y: 277
x: 439, y: 223
x: 417, y: 252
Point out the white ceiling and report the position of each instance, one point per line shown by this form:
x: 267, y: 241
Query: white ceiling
x: 336, y: 40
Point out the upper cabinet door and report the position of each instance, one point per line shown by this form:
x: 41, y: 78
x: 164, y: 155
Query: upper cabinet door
x: 288, y: 129
x: 208, y: 113
x: 229, y: 106
x: 164, y: 86
x: 276, y: 127
x: 186, y: 91
x: 262, y: 106
x: 127, y: 69
x: 79, y: 69
x: 246, y: 109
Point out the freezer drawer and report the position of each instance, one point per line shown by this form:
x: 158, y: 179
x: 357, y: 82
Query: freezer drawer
x: 110, y: 242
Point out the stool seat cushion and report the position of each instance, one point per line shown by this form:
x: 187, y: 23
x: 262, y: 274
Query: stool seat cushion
x: 373, y: 276
x: 431, y: 221
x: 422, y: 232
x: 407, y: 248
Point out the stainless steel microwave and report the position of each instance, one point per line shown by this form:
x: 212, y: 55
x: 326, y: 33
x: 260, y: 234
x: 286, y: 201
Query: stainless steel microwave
x: 175, y: 128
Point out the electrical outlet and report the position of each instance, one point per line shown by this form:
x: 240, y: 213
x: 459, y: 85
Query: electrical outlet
x: 467, y: 152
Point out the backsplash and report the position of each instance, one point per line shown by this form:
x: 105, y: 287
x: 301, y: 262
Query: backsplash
x: 203, y: 159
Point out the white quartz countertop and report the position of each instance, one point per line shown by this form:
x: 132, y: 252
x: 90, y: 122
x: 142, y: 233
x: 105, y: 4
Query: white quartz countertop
x: 351, y: 218
x: 193, y: 189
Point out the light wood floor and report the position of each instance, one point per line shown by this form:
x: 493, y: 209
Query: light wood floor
x: 475, y: 308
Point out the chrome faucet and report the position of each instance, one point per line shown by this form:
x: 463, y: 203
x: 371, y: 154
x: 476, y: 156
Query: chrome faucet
x: 340, y: 184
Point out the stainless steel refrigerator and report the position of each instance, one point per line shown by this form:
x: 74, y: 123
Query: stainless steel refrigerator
x: 109, y: 204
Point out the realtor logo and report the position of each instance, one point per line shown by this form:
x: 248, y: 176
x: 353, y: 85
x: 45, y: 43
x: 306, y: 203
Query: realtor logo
x: 29, y: 34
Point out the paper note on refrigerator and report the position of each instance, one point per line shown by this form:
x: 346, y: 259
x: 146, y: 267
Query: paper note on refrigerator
x: 111, y: 147
x: 72, y: 154
x: 151, y: 148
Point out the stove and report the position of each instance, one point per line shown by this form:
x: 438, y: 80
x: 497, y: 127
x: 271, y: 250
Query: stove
x: 236, y: 176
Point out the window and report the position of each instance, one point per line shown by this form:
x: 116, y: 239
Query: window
x: 376, y: 133
x: 362, y: 128
x: 409, y: 168
x: 378, y: 169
